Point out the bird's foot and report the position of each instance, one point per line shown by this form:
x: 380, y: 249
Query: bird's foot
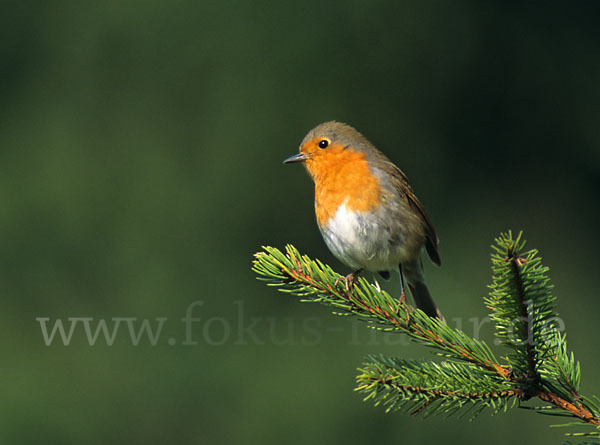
x: 348, y: 280
x: 403, y: 303
x: 402, y: 297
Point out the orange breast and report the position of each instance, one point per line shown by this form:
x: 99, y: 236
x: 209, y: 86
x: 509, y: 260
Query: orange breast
x: 342, y: 176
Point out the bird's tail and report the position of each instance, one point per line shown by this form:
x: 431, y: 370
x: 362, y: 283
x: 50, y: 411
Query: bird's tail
x: 413, y: 273
x: 423, y: 300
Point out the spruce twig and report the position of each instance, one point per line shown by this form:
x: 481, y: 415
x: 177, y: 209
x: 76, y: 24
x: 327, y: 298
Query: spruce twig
x: 470, y: 378
x: 315, y: 282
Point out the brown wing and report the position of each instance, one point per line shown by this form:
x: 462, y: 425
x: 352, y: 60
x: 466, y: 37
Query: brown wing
x: 431, y: 239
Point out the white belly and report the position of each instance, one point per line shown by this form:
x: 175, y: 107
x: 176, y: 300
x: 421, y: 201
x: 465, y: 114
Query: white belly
x: 364, y: 241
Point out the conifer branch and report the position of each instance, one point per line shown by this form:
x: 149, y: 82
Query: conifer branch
x: 425, y: 388
x: 523, y: 310
x: 515, y: 264
x: 315, y: 282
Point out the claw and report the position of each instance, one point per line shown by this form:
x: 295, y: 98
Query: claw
x: 402, y: 297
x: 348, y: 280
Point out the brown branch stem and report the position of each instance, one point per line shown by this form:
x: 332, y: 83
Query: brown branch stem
x: 394, y: 317
x: 516, y: 264
x: 577, y: 409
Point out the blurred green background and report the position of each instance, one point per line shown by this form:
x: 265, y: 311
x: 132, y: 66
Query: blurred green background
x: 141, y: 148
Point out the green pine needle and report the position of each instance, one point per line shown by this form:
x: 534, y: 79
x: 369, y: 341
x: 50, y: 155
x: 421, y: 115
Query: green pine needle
x: 471, y: 379
x: 433, y: 388
x: 522, y: 305
x: 314, y: 282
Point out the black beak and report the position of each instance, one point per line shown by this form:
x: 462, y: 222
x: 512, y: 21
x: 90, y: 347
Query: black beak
x: 300, y: 157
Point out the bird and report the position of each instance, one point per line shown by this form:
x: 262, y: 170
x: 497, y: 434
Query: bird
x: 367, y: 211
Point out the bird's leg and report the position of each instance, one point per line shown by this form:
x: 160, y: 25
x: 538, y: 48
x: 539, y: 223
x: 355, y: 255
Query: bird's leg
x: 402, y: 299
x: 402, y: 294
x: 348, y: 279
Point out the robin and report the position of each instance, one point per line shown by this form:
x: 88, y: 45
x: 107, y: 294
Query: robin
x: 366, y: 209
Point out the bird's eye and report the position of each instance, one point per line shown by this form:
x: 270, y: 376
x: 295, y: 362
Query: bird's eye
x: 323, y: 143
